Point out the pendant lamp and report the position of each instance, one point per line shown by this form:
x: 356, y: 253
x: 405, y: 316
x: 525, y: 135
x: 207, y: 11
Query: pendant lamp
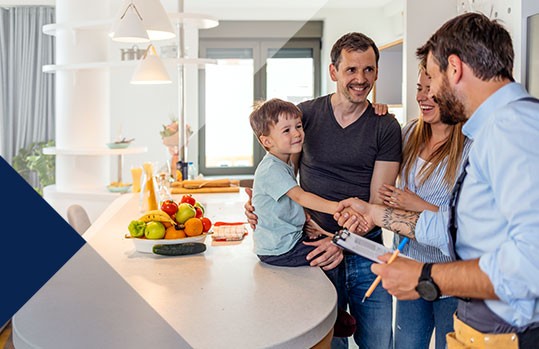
x: 130, y: 27
x: 154, y: 18
x: 151, y: 69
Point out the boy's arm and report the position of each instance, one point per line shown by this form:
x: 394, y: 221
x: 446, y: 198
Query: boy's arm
x: 312, y: 201
x: 294, y: 159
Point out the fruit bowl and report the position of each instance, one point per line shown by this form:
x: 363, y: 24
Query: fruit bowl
x: 118, y: 188
x: 118, y: 145
x: 146, y: 245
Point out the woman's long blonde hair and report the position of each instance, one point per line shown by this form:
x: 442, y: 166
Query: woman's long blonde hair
x: 450, y: 150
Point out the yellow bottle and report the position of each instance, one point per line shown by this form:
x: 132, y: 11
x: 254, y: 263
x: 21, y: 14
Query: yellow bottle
x: 152, y: 198
x: 148, y: 199
x: 136, y: 174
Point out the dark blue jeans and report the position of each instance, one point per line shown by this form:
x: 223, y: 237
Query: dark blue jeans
x: 297, y: 257
x: 374, y: 316
x: 416, y: 320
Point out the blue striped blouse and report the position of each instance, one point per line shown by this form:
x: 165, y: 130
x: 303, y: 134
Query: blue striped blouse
x: 435, y: 191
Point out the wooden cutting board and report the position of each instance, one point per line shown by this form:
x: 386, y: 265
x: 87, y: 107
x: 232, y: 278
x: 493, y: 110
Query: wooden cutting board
x: 196, y: 184
x: 205, y: 190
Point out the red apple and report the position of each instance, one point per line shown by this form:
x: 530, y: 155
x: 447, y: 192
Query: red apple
x: 206, y: 224
x: 188, y: 199
x: 169, y: 207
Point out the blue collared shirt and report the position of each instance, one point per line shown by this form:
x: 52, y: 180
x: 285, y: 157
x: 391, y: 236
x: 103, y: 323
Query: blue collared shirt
x: 498, y: 209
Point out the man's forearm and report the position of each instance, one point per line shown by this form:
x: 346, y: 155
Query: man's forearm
x: 398, y: 221
x: 463, y: 279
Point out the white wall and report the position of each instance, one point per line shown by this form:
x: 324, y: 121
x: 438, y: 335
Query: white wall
x: 337, y: 22
x: 529, y: 8
x: 141, y: 110
x: 421, y: 19
x: 389, y: 85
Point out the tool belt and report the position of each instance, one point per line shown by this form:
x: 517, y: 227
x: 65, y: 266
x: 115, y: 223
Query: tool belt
x: 467, y: 337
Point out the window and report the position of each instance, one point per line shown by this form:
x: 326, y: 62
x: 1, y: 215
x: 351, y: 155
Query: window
x: 248, y: 71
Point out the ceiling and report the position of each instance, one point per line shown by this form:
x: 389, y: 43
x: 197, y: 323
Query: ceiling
x: 206, y: 4
x: 252, y: 9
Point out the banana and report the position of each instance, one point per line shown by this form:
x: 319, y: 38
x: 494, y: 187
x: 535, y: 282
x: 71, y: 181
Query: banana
x: 156, y: 215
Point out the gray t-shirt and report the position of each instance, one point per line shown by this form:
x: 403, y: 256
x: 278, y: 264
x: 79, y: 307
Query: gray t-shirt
x: 280, y: 219
x: 337, y: 163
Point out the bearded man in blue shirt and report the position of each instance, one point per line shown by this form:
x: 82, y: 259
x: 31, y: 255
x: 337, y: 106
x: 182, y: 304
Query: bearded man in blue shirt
x: 493, y: 224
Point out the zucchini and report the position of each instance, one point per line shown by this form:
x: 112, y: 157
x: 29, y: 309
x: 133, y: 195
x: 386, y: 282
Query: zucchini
x: 179, y: 249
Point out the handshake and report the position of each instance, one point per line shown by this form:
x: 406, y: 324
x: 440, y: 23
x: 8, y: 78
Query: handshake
x: 353, y: 214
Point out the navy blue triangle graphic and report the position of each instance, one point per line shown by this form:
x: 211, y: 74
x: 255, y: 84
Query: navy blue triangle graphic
x: 35, y: 242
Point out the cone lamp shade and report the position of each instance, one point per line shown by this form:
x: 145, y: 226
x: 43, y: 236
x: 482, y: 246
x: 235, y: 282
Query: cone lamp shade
x: 130, y: 27
x: 156, y: 20
x: 151, y: 69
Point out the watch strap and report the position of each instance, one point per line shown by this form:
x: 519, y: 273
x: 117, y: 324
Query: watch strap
x: 426, y: 271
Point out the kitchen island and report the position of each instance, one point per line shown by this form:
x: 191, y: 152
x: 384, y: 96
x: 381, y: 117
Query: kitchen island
x: 111, y: 296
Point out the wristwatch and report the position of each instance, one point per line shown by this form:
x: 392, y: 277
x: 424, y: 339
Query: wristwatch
x: 426, y: 287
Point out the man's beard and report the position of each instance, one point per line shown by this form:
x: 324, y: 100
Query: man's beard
x: 451, y: 109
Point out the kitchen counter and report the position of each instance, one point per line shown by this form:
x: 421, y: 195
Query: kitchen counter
x: 110, y: 296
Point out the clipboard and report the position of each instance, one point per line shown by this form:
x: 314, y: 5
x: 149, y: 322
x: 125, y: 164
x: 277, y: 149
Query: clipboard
x: 359, y: 245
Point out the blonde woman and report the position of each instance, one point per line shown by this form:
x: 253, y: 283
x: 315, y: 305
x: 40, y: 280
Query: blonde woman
x: 433, y: 154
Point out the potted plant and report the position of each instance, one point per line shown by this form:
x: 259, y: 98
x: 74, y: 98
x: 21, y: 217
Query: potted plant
x: 30, y: 162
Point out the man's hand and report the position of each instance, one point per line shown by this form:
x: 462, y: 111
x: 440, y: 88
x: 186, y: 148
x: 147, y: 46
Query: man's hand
x: 364, y: 225
x: 380, y: 109
x: 346, y: 217
x: 249, y: 210
x: 400, y: 277
x: 328, y: 256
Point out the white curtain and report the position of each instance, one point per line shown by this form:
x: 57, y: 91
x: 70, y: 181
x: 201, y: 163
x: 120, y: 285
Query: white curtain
x: 26, y: 93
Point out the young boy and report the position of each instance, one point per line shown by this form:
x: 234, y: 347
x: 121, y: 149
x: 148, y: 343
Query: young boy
x: 278, y: 199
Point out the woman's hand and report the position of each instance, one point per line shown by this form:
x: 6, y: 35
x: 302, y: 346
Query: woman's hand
x: 404, y: 199
x: 252, y: 218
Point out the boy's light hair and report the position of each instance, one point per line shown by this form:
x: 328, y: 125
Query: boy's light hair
x: 266, y: 114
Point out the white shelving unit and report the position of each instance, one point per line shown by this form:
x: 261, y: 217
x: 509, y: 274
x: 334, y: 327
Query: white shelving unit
x: 99, y: 152
x: 53, y: 28
x: 83, y: 101
x: 191, y: 20
x: 52, y: 68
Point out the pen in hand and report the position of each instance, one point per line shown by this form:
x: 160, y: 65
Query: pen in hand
x: 379, y: 278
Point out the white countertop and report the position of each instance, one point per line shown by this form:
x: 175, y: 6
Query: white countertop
x: 223, y: 298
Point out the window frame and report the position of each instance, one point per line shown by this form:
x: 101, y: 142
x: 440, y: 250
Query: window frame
x: 261, y: 49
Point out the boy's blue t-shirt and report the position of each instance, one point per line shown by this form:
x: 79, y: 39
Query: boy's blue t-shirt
x: 280, y: 219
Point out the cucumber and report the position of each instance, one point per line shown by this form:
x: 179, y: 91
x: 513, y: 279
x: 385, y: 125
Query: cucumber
x: 179, y: 249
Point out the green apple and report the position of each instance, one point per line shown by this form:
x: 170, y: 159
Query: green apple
x: 185, y: 211
x: 154, y: 230
x: 198, y: 204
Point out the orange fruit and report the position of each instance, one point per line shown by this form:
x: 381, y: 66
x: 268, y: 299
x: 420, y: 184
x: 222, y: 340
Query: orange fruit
x: 172, y: 233
x: 193, y: 227
x: 167, y: 224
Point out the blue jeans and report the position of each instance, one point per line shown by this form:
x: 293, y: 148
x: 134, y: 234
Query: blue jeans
x: 374, y: 316
x: 416, y: 320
